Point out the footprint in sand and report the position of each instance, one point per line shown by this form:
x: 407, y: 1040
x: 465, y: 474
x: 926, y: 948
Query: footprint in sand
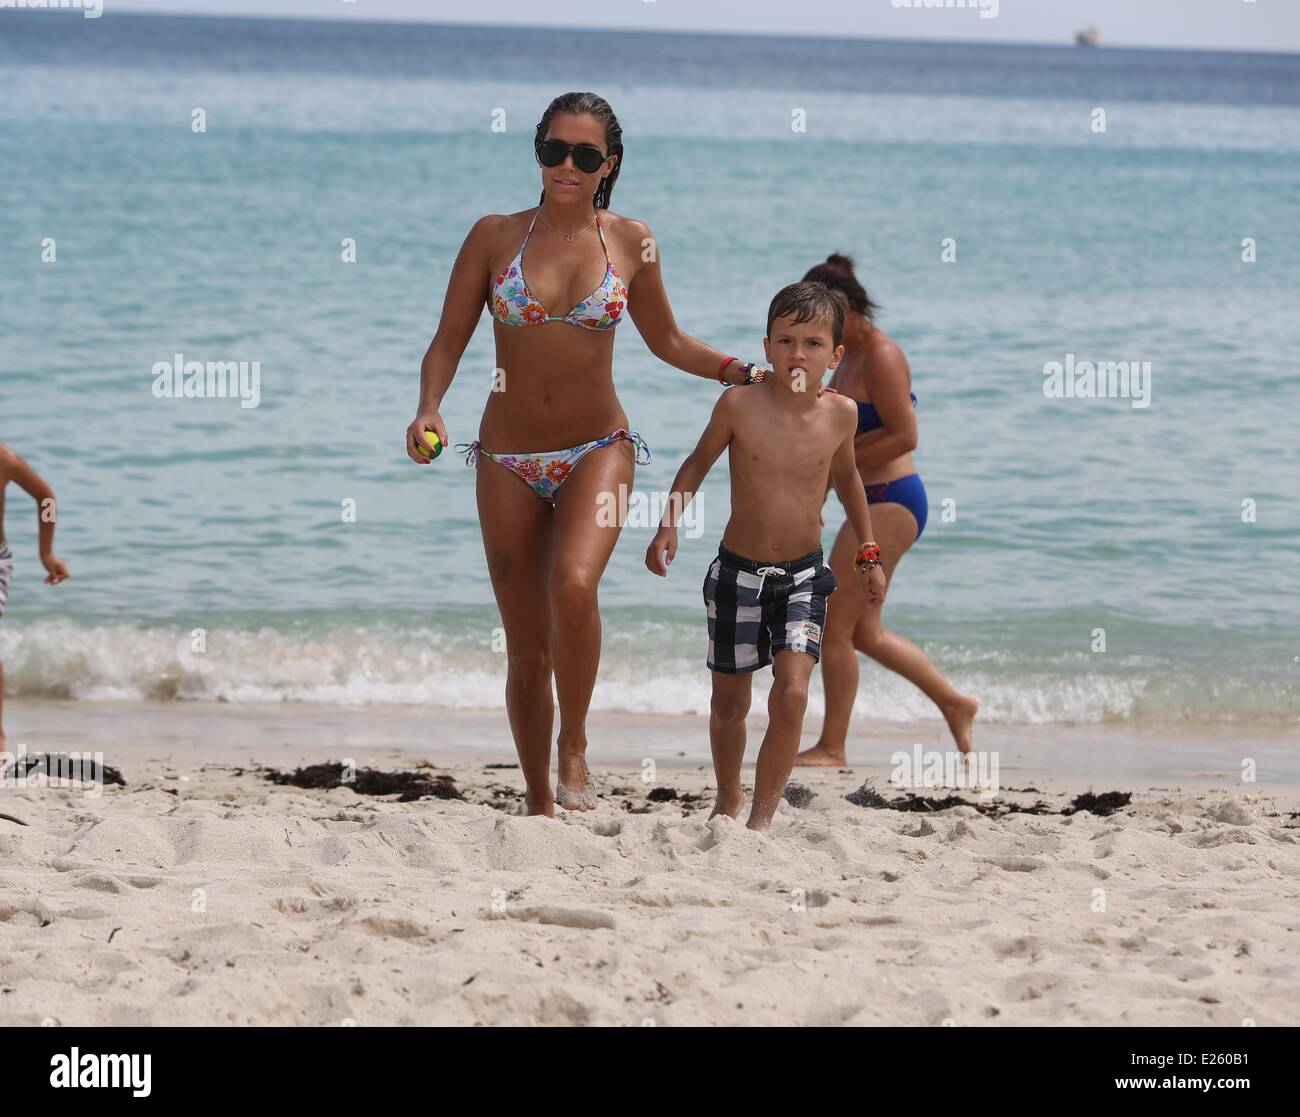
x: 583, y: 919
x: 101, y: 882
x: 27, y: 911
x: 1017, y: 864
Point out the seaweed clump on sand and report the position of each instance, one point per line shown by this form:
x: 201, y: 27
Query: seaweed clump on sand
x: 1037, y: 808
x: 798, y: 795
x: 81, y: 768
x: 1107, y: 803
x: 910, y: 801
x: 505, y: 799
x: 407, y: 786
x: 867, y: 796
x: 687, y: 800
x: 671, y: 795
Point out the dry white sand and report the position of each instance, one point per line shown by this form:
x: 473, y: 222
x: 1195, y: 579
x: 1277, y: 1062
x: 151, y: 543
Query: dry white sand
x: 200, y: 895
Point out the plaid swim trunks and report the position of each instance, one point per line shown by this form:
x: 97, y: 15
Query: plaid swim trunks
x: 6, y: 574
x: 758, y: 609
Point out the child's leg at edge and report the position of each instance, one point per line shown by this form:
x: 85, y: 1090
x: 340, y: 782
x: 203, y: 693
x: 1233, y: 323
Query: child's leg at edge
x: 785, y: 710
x: 727, y: 711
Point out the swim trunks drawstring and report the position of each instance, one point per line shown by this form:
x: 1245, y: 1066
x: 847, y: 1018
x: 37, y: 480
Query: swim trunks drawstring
x: 763, y: 572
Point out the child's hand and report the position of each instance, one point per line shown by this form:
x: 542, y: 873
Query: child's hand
x: 661, y: 552
x: 874, y: 577
x: 54, y: 566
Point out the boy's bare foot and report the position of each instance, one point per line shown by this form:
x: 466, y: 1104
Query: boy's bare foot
x: 729, y: 804
x: 961, y: 720
x: 573, y: 787
x: 819, y: 756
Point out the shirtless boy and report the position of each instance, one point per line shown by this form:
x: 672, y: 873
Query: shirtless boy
x: 785, y: 437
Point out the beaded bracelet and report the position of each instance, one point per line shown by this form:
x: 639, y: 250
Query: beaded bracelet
x: 868, y: 556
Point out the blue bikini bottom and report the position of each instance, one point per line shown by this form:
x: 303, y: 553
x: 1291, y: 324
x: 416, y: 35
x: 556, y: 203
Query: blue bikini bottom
x: 907, y: 491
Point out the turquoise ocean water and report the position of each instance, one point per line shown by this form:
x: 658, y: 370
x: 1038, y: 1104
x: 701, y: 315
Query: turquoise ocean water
x: 1070, y: 515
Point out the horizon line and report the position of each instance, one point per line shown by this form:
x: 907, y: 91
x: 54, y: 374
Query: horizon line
x: 719, y: 33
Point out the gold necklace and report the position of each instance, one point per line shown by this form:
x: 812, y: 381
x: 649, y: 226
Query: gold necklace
x: 566, y: 236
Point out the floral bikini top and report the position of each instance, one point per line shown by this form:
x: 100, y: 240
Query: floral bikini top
x: 513, y: 304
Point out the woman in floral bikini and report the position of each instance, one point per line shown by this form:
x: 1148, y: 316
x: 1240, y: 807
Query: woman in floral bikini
x: 545, y: 544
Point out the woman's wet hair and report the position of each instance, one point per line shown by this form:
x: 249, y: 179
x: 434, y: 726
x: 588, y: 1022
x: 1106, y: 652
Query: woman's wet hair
x: 837, y: 273
x: 810, y: 301
x: 587, y: 104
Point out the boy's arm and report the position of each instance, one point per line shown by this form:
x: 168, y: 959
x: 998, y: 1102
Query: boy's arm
x: 15, y: 469
x: 716, y: 437
x: 848, y: 487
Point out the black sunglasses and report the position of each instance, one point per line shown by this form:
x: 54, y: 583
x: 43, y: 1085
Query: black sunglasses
x: 585, y: 157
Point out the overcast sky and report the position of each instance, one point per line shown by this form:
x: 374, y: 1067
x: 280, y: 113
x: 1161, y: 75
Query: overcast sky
x: 1225, y: 24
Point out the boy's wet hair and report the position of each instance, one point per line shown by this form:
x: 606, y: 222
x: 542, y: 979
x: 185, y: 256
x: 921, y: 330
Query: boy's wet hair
x: 807, y: 302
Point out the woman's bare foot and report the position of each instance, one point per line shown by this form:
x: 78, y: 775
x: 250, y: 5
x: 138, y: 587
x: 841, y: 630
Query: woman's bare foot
x: 573, y: 787
x: 819, y: 756
x: 961, y: 720
x: 729, y: 804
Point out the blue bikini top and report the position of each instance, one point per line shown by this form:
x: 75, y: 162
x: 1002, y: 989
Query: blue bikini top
x: 869, y: 419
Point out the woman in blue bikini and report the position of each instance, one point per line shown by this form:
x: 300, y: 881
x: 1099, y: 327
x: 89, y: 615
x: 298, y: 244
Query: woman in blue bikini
x: 553, y: 431
x: 875, y: 373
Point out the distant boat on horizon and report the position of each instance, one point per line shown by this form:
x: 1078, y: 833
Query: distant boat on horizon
x: 1090, y: 37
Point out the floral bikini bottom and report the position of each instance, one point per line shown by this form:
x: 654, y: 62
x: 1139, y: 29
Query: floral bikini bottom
x: 546, y: 471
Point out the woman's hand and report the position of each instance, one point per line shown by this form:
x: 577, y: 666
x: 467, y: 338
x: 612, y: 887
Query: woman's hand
x: 738, y: 375
x: 415, y: 443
